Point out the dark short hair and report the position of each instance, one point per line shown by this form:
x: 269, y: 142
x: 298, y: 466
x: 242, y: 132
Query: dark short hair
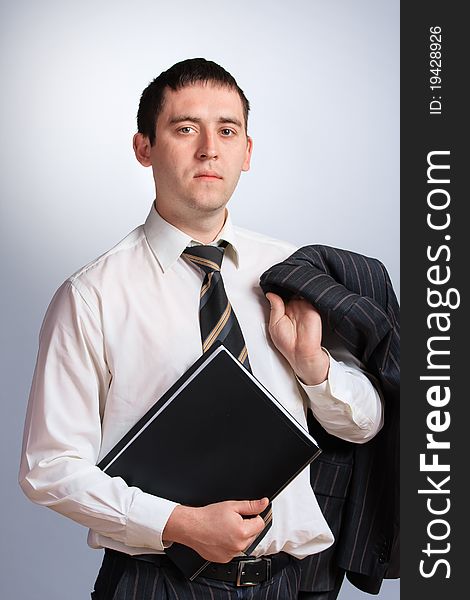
x: 182, y: 74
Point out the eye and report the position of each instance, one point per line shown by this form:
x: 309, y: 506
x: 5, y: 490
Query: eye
x: 186, y: 129
x: 226, y: 132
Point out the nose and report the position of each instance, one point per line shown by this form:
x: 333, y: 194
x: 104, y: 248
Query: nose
x: 207, y: 147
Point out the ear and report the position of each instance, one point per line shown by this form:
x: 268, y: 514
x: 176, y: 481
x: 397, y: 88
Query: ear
x: 249, y: 149
x: 141, y: 145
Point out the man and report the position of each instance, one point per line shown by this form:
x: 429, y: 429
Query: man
x: 121, y: 330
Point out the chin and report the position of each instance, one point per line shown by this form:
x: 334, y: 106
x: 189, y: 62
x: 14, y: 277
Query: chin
x: 208, y: 205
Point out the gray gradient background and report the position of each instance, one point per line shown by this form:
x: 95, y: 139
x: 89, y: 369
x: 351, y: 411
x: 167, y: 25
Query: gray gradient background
x: 323, y: 80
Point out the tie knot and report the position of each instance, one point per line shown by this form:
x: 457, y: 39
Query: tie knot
x: 207, y: 258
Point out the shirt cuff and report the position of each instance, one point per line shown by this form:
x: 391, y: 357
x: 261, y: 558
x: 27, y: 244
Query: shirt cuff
x: 146, y: 521
x: 334, y: 398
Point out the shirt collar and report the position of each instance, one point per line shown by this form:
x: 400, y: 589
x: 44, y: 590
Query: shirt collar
x: 168, y: 242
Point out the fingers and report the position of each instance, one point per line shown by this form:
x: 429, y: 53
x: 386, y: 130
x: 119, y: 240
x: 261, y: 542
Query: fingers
x: 250, y: 507
x: 251, y: 528
x: 278, y: 308
x: 254, y: 525
x: 296, y: 305
x: 221, y: 530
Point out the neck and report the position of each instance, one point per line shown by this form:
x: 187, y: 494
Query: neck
x: 204, y: 229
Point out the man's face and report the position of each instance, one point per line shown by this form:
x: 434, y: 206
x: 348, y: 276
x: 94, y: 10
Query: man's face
x: 200, y: 150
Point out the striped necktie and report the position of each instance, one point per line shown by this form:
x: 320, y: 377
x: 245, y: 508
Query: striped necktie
x: 217, y: 321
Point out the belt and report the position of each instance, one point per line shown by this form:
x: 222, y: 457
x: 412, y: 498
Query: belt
x: 241, y: 571
x: 250, y: 570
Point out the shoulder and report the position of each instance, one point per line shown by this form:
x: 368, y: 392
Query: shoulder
x: 271, y: 248
x: 111, y: 261
x: 85, y: 293
x: 108, y: 274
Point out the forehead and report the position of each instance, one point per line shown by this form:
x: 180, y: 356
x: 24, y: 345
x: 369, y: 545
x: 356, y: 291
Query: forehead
x: 205, y: 101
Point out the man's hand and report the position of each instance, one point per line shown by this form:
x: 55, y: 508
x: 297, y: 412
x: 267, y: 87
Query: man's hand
x: 217, y: 532
x: 296, y: 331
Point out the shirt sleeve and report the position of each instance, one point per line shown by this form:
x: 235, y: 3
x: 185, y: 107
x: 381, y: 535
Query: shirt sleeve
x: 62, y: 435
x: 348, y: 405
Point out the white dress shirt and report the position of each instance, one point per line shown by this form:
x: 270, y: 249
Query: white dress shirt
x: 116, y: 336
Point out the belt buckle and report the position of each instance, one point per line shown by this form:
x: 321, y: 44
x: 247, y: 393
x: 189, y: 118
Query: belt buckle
x: 240, y: 571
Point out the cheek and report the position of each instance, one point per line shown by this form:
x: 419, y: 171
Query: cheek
x: 231, y: 182
x: 168, y: 166
x: 236, y: 166
x: 179, y: 160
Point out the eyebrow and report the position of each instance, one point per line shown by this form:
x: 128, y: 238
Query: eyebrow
x: 181, y: 118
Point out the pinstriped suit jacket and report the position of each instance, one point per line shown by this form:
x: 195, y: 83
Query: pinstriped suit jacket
x: 357, y: 485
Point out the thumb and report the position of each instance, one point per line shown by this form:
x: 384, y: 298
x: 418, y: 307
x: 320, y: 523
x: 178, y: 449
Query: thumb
x: 251, y: 507
x: 278, y: 308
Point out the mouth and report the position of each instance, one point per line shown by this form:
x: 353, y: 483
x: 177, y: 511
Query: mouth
x: 207, y: 175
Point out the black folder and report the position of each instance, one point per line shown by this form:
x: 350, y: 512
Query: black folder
x: 217, y: 434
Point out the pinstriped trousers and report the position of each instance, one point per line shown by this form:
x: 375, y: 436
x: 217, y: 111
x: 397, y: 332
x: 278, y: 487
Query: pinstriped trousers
x: 327, y: 595
x: 125, y: 578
